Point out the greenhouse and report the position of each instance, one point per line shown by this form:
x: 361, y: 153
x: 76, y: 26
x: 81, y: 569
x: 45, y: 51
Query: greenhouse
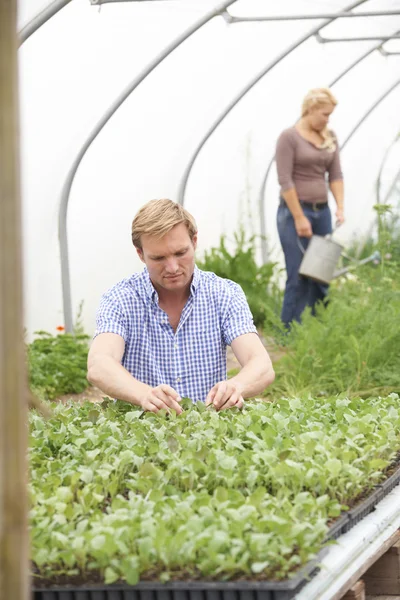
x: 265, y: 465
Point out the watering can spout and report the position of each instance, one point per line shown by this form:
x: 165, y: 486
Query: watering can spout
x: 375, y: 257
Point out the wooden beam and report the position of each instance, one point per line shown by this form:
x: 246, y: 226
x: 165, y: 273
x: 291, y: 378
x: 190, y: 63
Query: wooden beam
x: 395, y: 537
x: 384, y: 575
x: 357, y: 592
x: 14, y: 584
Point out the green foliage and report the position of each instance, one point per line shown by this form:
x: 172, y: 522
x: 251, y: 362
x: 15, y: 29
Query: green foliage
x: 263, y: 294
x: 388, y: 233
x: 387, y: 241
x: 204, y: 494
x: 57, y: 364
x: 352, y: 345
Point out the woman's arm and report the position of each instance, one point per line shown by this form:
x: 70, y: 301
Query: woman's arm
x: 301, y: 223
x: 284, y: 163
x: 336, y: 184
x: 337, y: 189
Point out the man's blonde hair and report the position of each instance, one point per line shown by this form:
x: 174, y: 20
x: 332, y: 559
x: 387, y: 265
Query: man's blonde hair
x: 158, y: 217
x: 316, y: 98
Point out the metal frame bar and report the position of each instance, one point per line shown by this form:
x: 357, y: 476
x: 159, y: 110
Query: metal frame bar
x: 373, y: 38
x: 392, y: 187
x: 361, y: 121
x: 385, y: 156
x: 99, y: 2
x: 66, y: 190
x: 368, y: 234
x: 231, y: 19
x: 40, y: 19
x: 52, y: 9
x: 386, y: 53
x: 264, y: 243
x: 369, y: 111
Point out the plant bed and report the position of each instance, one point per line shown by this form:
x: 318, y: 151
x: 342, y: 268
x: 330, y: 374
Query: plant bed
x: 366, y: 503
x: 244, y: 496
x: 184, y: 590
x: 363, y: 508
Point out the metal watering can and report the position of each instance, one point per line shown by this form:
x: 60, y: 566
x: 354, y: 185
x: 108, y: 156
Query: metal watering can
x: 321, y: 257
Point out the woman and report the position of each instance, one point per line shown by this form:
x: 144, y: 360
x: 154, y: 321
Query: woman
x: 305, y: 153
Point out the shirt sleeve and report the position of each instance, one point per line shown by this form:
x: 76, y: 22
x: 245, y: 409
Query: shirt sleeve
x: 239, y: 319
x: 284, y: 156
x: 110, y: 317
x: 335, y: 169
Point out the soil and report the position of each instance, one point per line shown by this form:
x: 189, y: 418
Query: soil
x: 91, y: 394
x: 94, y: 578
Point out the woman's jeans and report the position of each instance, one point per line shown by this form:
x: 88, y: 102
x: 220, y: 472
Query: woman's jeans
x: 300, y: 291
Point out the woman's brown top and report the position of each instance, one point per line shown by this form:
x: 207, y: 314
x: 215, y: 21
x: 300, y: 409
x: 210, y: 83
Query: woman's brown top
x: 303, y: 166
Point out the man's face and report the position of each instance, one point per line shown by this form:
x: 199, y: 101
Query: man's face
x: 170, y: 259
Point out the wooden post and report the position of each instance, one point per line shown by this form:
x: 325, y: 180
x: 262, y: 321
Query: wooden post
x: 384, y: 575
x: 357, y: 592
x: 14, y: 584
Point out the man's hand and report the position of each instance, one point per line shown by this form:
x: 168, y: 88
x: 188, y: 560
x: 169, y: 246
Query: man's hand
x: 303, y: 227
x: 161, y: 397
x: 225, y: 394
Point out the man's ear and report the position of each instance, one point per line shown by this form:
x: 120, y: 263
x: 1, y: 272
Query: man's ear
x: 194, y: 241
x: 140, y: 254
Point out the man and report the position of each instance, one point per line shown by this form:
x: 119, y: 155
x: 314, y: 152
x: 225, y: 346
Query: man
x: 162, y: 334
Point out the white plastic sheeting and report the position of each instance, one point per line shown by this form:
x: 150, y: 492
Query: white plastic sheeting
x: 73, y: 68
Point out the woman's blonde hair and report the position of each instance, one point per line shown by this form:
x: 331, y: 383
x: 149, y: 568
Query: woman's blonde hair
x: 158, y: 217
x: 315, y: 99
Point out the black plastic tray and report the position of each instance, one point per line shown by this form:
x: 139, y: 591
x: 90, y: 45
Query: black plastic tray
x: 195, y: 590
x: 364, y: 508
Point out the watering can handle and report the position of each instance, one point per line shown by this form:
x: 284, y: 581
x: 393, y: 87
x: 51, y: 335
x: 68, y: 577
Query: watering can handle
x: 328, y: 236
x: 300, y: 245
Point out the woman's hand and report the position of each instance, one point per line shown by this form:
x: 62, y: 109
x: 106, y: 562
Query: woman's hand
x: 303, y: 226
x: 339, y: 216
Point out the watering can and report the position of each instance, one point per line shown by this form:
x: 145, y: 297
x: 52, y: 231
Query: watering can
x: 321, y: 257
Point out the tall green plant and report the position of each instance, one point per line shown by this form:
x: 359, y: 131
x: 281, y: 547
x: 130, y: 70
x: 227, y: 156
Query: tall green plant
x: 257, y: 281
x: 384, y: 233
x: 351, y: 346
x: 57, y: 363
x: 386, y: 239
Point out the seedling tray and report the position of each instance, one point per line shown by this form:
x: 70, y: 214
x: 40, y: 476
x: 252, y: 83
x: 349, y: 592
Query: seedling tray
x: 195, y: 590
x: 231, y: 590
x: 353, y: 516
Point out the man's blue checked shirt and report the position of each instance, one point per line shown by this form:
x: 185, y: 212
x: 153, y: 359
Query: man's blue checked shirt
x: 192, y: 359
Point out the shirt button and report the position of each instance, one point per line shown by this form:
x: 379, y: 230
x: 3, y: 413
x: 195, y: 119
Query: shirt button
x: 178, y: 379
x: 175, y: 345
